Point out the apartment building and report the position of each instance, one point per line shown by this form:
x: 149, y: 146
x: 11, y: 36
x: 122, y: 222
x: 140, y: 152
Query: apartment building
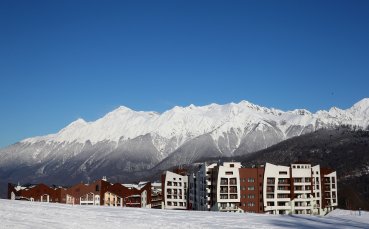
x: 200, y: 187
x: 225, y: 193
x: 251, y: 189
x: 329, y: 199
x: 156, y: 195
x: 175, y: 187
x: 297, y: 189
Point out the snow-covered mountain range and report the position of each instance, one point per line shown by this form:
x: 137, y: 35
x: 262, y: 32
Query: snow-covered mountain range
x: 125, y: 140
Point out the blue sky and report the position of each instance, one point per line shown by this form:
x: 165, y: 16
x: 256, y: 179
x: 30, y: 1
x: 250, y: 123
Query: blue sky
x: 62, y: 60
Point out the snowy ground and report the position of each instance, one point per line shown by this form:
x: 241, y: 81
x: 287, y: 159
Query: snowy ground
x: 20, y: 214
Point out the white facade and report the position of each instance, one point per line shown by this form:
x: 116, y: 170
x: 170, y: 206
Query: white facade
x: 175, y: 191
x: 295, y: 189
x: 303, y: 200
x: 276, y: 189
x: 226, y: 187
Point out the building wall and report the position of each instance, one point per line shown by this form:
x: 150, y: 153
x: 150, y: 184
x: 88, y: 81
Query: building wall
x: 226, y: 191
x: 175, y: 190
x: 201, y: 187
x: 85, y: 194
x: 277, y: 189
x: 329, y: 190
x: 299, y: 189
x: 251, y: 189
x: 39, y: 193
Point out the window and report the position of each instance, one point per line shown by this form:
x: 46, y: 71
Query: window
x: 231, y: 165
x: 169, y: 203
x: 169, y: 183
x: 251, y: 188
x: 251, y: 196
x: 228, y: 173
x: 233, y: 189
x: 251, y: 180
x: 283, y: 181
x: 282, y: 172
x: 97, y: 188
x: 233, y: 181
x: 250, y: 204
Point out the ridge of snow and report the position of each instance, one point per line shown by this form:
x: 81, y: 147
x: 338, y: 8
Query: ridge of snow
x: 184, y: 123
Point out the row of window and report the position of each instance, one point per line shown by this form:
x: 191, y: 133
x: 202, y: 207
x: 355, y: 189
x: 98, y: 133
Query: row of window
x: 249, y: 196
x: 248, y: 204
x: 226, y: 181
x: 300, y: 166
x: 250, y: 180
x: 226, y: 196
x: 250, y: 188
x: 180, y: 204
x: 170, y: 183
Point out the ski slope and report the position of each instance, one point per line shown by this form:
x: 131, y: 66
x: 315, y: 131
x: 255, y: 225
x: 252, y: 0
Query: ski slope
x: 20, y: 214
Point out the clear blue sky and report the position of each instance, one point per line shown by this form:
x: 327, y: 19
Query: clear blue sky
x: 62, y: 60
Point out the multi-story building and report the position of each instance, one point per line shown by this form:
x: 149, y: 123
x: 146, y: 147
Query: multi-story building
x: 175, y: 186
x: 200, y: 187
x: 225, y: 194
x: 297, y: 189
x: 251, y: 189
x: 329, y: 189
x: 156, y: 195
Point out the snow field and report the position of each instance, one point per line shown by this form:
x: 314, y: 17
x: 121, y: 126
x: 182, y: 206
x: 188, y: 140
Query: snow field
x: 21, y: 214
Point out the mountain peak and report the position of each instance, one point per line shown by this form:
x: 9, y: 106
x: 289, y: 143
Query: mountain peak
x: 364, y: 103
x: 123, y: 108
